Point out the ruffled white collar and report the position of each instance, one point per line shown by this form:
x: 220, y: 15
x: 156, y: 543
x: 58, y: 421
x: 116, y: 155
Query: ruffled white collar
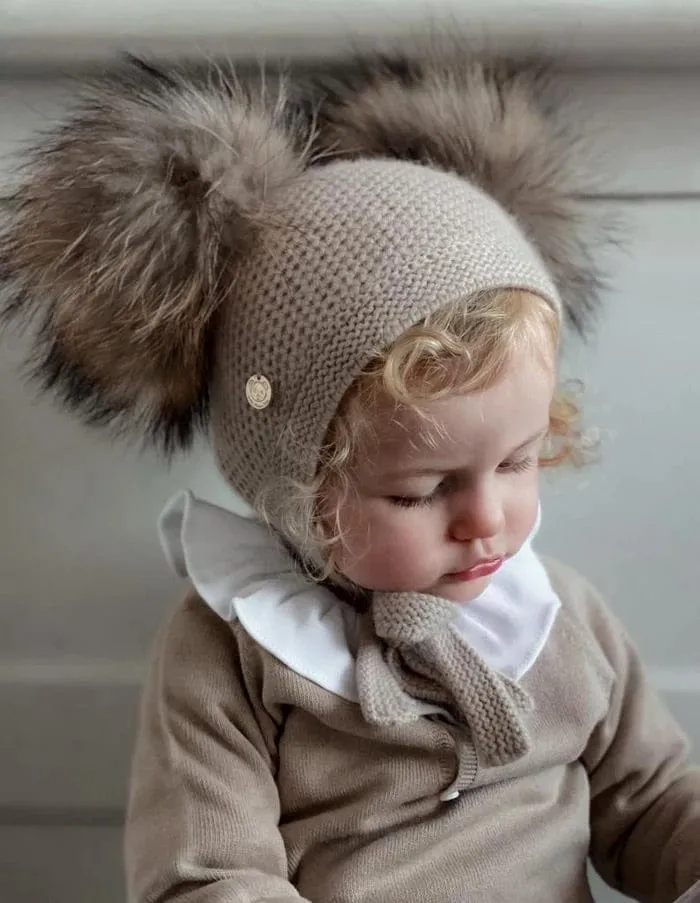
x: 243, y: 573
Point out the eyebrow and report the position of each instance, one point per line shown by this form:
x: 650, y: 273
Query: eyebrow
x: 429, y: 471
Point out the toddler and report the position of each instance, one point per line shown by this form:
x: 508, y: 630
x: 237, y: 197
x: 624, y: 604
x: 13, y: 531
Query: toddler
x: 375, y: 691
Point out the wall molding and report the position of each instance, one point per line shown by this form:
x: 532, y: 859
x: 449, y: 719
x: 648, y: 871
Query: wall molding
x: 626, y: 32
x: 76, y: 673
x: 648, y: 129
x: 681, y: 680
x: 67, y: 755
x: 96, y: 673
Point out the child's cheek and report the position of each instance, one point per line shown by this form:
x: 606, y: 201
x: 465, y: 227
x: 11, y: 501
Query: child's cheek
x: 523, y: 514
x: 402, y: 548
x: 384, y: 548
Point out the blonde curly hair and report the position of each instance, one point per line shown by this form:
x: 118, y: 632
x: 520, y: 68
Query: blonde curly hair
x: 462, y: 348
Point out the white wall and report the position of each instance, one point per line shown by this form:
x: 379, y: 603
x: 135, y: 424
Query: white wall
x: 83, y: 585
x: 656, y: 32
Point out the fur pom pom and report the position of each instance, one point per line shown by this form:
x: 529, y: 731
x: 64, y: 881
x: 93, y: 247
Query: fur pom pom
x: 124, y: 233
x: 497, y: 123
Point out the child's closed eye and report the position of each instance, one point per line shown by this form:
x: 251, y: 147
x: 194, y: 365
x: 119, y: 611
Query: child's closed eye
x: 413, y: 501
x: 449, y: 483
x: 517, y: 466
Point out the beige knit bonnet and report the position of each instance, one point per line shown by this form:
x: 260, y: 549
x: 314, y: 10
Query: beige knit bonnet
x: 211, y: 253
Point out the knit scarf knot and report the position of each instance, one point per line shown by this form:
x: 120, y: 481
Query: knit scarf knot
x: 410, y: 651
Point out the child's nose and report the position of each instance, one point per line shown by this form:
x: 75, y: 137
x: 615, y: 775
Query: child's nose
x: 478, y: 515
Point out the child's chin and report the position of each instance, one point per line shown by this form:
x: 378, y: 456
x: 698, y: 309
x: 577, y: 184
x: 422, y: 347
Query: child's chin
x: 464, y: 591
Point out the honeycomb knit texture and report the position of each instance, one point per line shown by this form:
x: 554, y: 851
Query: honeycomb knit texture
x: 362, y: 251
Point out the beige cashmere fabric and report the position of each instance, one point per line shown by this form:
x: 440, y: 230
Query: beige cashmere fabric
x: 251, y: 783
x: 359, y: 251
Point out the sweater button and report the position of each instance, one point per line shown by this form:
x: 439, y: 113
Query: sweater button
x: 448, y: 795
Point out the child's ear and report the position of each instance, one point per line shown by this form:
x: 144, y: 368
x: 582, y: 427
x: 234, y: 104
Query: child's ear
x: 123, y: 236
x: 497, y: 123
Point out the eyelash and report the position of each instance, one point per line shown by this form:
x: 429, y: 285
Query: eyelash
x: 512, y: 467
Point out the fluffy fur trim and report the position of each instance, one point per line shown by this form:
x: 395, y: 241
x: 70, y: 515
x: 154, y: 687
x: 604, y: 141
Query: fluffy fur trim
x: 123, y: 236
x: 500, y: 124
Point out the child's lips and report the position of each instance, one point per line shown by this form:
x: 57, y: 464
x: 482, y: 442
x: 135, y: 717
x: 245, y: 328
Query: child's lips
x: 477, y: 571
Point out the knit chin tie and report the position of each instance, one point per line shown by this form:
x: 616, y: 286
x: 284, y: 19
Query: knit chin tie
x: 410, y: 652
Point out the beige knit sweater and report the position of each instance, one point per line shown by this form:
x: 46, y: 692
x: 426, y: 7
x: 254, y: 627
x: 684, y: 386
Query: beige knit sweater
x: 251, y: 783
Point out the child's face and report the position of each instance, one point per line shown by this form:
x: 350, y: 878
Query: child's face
x: 439, y: 504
